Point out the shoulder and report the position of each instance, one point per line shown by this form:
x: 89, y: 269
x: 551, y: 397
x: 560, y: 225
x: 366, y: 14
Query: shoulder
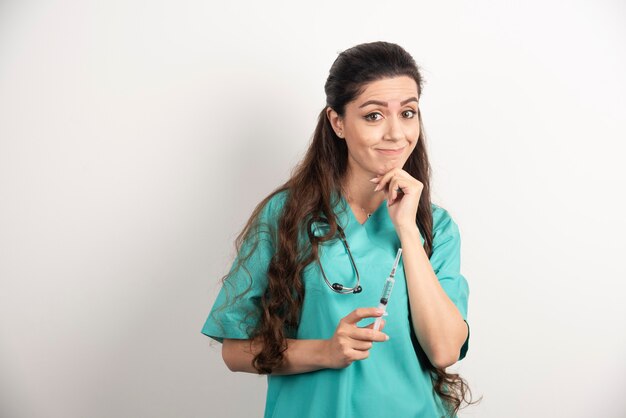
x: 274, y: 205
x: 262, y: 227
x: 443, y: 223
x: 269, y: 211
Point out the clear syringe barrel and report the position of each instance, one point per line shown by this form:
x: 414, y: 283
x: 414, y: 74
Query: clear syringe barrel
x: 384, y: 298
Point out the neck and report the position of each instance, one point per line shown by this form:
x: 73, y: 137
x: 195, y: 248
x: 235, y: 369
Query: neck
x: 359, y: 191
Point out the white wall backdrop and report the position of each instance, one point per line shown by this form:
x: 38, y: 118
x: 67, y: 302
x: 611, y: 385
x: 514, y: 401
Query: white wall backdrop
x: 137, y: 136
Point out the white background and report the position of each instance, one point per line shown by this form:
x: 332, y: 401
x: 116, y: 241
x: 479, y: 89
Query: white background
x: 137, y: 136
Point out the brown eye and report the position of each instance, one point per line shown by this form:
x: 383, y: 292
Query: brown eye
x: 409, y: 114
x: 372, y: 117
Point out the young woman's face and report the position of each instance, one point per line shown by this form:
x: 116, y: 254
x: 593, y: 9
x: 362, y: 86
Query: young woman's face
x: 380, y: 126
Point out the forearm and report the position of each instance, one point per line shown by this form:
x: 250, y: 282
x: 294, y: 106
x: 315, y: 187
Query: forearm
x: 301, y: 356
x: 437, y: 322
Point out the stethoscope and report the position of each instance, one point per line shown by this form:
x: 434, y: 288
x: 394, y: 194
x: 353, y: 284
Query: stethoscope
x: 335, y: 287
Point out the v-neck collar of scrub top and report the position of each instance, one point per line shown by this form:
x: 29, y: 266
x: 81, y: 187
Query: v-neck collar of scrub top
x: 350, y: 212
x: 377, y: 232
x: 346, y: 217
x: 379, y: 221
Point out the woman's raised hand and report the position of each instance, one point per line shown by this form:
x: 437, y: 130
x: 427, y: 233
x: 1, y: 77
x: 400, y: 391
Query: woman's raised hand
x: 350, y: 342
x: 403, y: 194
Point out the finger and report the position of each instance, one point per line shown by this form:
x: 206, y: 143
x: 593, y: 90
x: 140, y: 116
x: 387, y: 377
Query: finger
x: 362, y: 345
x: 361, y: 355
x: 361, y: 313
x: 382, y: 325
x: 355, y: 355
x: 396, y: 190
x: 382, y: 183
x: 393, y: 194
x: 367, y: 334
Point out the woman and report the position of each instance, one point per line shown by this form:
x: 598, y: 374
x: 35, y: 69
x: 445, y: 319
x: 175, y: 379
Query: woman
x: 314, y: 256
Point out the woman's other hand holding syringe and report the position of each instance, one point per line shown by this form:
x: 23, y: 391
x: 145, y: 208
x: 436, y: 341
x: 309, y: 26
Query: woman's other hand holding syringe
x: 351, y: 342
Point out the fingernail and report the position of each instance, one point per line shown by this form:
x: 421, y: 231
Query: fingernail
x: 374, y: 180
x: 380, y: 311
x: 376, y: 188
x: 386, y: 337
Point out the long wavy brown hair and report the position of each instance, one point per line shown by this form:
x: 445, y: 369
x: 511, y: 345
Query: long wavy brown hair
x: 310, y: 191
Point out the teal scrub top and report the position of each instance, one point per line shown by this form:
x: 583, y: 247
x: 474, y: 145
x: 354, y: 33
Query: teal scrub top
x: 394, y: 380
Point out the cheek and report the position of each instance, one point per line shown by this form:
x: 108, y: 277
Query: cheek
x: 361, y: 140
x: 415, y: 130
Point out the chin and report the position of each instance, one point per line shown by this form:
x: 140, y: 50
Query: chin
x: 384, y: 170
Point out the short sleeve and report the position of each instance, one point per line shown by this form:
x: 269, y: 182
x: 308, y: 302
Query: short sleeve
x: 235, y: 312
x: 446, y: 263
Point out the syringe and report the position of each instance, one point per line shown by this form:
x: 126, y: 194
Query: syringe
x: 384, y: 298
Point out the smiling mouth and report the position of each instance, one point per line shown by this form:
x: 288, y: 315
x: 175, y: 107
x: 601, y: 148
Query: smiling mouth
x: 390, y: 151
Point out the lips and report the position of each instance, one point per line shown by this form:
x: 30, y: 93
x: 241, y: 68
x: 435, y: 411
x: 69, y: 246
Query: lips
x: 390, y: 151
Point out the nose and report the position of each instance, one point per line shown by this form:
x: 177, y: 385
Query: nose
x: 394, y: 130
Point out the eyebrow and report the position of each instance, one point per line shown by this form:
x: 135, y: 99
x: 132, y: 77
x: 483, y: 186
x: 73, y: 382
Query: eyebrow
x: 377, y: 102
